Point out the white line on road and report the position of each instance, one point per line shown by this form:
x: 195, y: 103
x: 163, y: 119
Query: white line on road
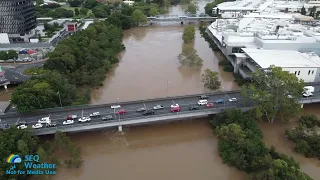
x: 18, y: 120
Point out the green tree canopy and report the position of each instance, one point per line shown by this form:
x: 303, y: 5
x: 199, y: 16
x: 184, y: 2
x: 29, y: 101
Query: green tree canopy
x: 192, y: 8
x: 189, y: 56
x: 120, y: 20
x: 188, y: 34
x: 138, y: 18
x: 275, y: 94
x: 209, y: 6
x: 211, y: 80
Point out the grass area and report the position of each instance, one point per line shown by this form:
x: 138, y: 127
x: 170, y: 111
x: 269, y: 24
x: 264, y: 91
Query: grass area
x: 34, y: 71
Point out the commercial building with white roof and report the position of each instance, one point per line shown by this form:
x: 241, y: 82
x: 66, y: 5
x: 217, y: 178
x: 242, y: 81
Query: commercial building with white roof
x: 267, y: 31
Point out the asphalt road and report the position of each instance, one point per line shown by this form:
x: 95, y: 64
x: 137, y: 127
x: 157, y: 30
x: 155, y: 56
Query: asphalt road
x: 15, y: 72
x: 185, y: 103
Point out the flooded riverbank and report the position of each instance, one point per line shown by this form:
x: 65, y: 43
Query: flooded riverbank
x: 182, y: 150
x: 150, y: 68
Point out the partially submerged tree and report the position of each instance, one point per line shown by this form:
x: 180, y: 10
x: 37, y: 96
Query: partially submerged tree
x: 211, y: 80
x: 189, y: 56
x: 188, y: 34
x: 275, y: 94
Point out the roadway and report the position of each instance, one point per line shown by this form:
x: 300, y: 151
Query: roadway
x: 185, y: 103
x: 15, y: 72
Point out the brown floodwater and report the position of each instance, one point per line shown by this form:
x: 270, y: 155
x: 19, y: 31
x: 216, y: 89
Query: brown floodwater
x: 150, y: 68
x: 181, y: 150
x: 274, y: 134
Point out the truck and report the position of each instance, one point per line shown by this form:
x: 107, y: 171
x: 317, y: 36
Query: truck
x: 308, y: 91
x: 71, y: 117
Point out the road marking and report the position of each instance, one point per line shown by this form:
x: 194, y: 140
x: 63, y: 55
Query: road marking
x: 18, y: 120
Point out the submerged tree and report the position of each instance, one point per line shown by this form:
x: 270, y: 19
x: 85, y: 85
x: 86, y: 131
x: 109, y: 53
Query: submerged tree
x: 189, y: 56
x: 275, y: 94
x: 211, y: 80
x: 188, y: 34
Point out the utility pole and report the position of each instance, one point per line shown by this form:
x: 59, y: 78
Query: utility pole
x: 59, y: 98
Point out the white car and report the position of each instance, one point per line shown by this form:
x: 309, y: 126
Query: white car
x: 22, y: 126
x: 158, y: 107
x: 115, y: 106
x: 69, y: 121
x: 233, y: 100
x: 37, y: 126
x: 95, y: 114
x: 44, y: 120
x: 174, y: 105
x: 84, y: 119
x: 202, y: 102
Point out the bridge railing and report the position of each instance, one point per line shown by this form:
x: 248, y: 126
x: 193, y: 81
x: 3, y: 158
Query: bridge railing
x: 88, y: 106
x: 118, y: 122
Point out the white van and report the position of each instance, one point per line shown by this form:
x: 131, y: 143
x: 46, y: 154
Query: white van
x: 202, y: 102
x: 44, y: 120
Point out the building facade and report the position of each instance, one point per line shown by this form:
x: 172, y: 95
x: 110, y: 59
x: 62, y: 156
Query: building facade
x: 17, y: 19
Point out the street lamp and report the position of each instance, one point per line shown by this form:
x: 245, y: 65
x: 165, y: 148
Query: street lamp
x: 168, y: 82
x: 59, y: 98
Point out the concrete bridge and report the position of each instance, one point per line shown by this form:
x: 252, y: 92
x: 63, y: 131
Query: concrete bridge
x: 181, y: 19
x: 132, y: 117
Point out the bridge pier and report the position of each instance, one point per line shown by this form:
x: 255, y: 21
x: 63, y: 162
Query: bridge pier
x: 120, y: 128
x: 301, y: 105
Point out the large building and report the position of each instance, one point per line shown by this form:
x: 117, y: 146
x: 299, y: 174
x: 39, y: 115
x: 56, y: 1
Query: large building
x: 17, y: 20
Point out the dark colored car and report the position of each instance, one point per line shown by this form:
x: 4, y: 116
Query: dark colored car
x: 4, y: 126
x: 219, y: 101
x: 107, y: 118
x: 148, y: 112
x: 141, y: 110
x: 51, y: 125
x: 204, y: 97
x: 193, y: 108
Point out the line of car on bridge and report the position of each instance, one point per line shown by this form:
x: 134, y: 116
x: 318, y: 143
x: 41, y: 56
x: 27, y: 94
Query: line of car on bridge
x: 70, y: 119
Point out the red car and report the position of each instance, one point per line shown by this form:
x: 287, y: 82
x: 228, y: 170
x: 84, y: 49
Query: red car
x: 175, y: 109
x: 210, y: 105
x: 122, y: 111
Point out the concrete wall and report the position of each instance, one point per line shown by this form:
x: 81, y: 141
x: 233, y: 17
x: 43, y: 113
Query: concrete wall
x: 26, y: 45
x: 303, y: 73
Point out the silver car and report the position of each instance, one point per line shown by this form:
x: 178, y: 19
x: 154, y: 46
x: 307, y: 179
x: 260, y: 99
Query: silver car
x: 158, y: 107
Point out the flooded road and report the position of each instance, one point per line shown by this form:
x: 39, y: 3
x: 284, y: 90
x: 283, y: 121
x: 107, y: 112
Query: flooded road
x: 150, y: 68
x: 185, y: 150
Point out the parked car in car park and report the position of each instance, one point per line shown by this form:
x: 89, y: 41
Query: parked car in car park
x: 141, y: 109
x: 84, y: 119
x: 37, y: 126
x: 193, y: 107
x: 148, y: 112
x: 106, y: 118
x: 95, y: 114
x: 219, y: 101
x: 202, y: 102
x: 157, y: 107
x: 210, y: 105
x: 204, y: 97
x: 71, y: 117
x: 67, y: 122
x: 175, y: 109
x: 121, y: 112
x: 115, y: 106
x: 233, y: 100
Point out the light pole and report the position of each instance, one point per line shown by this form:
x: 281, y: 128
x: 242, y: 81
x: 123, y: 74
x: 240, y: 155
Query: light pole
x: 59, y: 98
x: 168, y: 82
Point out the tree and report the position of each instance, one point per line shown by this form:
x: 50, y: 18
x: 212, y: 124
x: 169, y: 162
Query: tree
x: 153, y: 11
x: 38, y: 2
x: 188, y: 34
x: 75, y: 3
x: 120, y: 20
x: 286, y: 10
x: 313, y: 11
x: 309, y: 120
x: 138, y: 18
x: 3, y: 55
x: 276, y: 94
x: 90, y: 4
x: 209, y: 6
x: 12, y: 54
x: 84, y: 11
x: 317, y: 14
x: 76, y: 12
x: 41, y: 92
x: 303, y: 10
x: 211, y: 80
x: 189, y: 56
x: 192, y: 8
x: 99, y: 12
